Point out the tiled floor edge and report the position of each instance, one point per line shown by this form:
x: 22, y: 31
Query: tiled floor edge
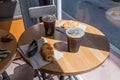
x: 114, y: 48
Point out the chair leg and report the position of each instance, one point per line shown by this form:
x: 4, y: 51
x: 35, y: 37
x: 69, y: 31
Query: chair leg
x: 50, y: 76
x: 5, y: 76
x: 61, y: 77
x: 37, y: 74
x: 43, y: 75
x: 75, y: 77
x: 70, y: 78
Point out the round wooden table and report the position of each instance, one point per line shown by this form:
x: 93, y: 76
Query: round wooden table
x: 111, y: 17
x: 11, y: 46
x: 93, y: 51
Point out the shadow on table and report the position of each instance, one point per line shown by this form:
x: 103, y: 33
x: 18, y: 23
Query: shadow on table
x: 89, y: 40
x: 95, y: 41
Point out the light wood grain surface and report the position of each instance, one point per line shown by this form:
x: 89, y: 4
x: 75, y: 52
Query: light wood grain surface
x: 12, y: 45
x: 93, y: 51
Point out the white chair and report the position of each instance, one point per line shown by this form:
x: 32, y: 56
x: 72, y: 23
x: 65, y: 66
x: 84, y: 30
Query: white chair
x: 26, y: 5
x: 48, y: 9
x: 39, y: 11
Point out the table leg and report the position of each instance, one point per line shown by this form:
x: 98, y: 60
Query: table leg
x: 61, y: 77
x: 5, y: 76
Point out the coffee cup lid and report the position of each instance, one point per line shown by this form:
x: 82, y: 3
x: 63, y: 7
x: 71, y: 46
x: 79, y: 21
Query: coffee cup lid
x: 75, y: 32
x: 48, y: 18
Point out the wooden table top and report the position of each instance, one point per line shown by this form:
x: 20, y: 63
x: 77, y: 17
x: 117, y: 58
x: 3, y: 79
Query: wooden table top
x: 11, y: 46
x: 113, y: 19
x: 93, y: 51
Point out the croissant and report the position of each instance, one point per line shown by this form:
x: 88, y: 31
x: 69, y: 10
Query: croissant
x: 70, y: 24
x: 47, y: 52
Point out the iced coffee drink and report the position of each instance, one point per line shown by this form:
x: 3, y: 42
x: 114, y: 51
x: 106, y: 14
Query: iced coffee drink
x: 73, y: 38
x: 49, y: 24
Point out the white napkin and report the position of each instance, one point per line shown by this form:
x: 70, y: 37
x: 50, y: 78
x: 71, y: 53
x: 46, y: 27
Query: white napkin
x: 37, y: 61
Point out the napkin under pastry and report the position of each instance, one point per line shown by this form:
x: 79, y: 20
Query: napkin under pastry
x: 36, y: 59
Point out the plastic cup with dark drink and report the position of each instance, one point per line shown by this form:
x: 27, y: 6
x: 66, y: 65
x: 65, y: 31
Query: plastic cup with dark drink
x: 49, y: 24
x: 74, y: 36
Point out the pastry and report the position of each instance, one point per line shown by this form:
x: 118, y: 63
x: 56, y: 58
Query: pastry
x: 70, y: 24
x: 6, y: 38
x: 47, y: 52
